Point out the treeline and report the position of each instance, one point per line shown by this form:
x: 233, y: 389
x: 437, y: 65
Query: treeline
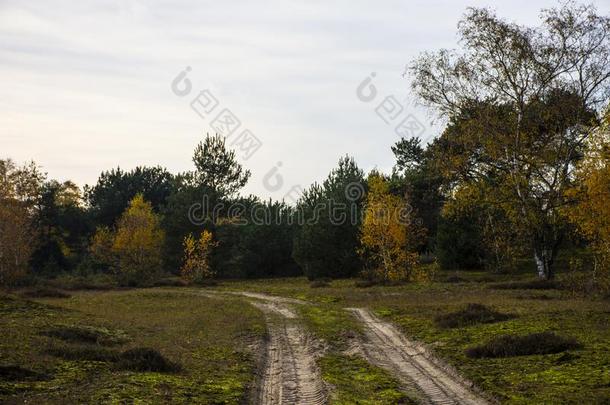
x: 141, y: 224
x: 519, y: 174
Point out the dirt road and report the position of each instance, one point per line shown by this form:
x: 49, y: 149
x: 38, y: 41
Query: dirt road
x: 387, y: 348
x: 291, y: 375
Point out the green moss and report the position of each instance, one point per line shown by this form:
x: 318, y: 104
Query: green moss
x: 355, y: 381
x: 583, y: 377
x: 332, y: 324
x: 211, y: 338
x: 151, y: 387
x: 524, y: 379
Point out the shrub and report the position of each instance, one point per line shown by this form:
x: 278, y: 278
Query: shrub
x: 527, y: 285
x: 84, y: 353
x: 541, y: 297
x: 364, y: 283
x: 513, y: 345
x: 455, y: 279
x: 197, y: 252
x: 471, y: 315
x: 44, y: 292
x: 97, y: 282
x: 17, y: 373
x: 146, y: 359
x: 170, y: 282
x: 87, y: 334
x: 319, y: 284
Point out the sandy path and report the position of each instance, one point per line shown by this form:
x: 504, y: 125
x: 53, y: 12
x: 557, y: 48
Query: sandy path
x: 387, y: 348
x: 290, y: 375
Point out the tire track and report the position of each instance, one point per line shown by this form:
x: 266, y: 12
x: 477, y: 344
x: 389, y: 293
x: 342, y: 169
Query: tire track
x: 291, y: 375
x: 387, y: 348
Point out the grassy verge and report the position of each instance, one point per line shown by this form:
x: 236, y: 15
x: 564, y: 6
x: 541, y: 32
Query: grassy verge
x: 581, y: 375
x: 357, y: 382
x: 354, y: 380
x: 207, y: 343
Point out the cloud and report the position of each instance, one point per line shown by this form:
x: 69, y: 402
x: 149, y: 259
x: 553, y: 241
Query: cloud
x: 86, y: 85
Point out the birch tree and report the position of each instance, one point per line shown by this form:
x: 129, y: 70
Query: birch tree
x: 520, y: 103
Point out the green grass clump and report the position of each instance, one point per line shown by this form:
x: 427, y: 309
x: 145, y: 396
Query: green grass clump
x: 471, y: 315
x: 356, y: 381
x: 513, y: 345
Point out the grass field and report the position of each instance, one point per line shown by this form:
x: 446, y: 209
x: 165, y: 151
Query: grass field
x: 581, y: 375
x: 212, y: 340
x: 215, y: 341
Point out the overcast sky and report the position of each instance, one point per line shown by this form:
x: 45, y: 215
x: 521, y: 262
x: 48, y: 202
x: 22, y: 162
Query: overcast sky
x: 87, y: 85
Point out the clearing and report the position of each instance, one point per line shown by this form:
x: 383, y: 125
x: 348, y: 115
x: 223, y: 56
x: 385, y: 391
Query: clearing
x: 280, y: 341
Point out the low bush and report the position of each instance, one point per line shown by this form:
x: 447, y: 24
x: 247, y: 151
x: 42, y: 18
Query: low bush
x: 319, y: 284
x: 484, y: 279
x: 207, y: 282
x: 146, y: 359
x: 44, y: 292
x: 17, y: 373
x: 541, y: 297
x: 455, y: 279
x: 87, y: 334
x: 98, y: 282
x: 471, y: 315
x: 527, y: 285
x: 140, y: 359
x: 170, y: 282
x: 84, y: 353
x: 513, y: 345
x: 364, y: 283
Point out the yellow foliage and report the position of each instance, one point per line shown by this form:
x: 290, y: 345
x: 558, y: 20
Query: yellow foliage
x: 138, y: 241
x: 19, y: 190
x: 387, y: 231
x: 591, y: 212
x: 196, y: 267
x: 16, y: 241
x: 101, y: 246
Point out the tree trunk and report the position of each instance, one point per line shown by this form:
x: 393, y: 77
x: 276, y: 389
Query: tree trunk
x: 544, y: 257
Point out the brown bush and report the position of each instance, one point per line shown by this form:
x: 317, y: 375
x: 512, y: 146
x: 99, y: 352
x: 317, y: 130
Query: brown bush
x: 513, y: 345
x: 86, y: 334
x: 471, y: 315
x: 44, y: 292
x: 146, y: 359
